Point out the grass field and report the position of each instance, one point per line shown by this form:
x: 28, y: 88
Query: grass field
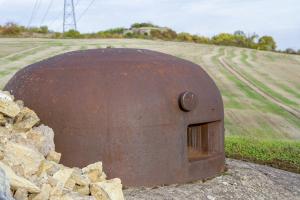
x: 248, y: 113
x: 282, y: 154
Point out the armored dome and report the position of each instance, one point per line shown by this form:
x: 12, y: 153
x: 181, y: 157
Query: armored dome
x: 152, y: 118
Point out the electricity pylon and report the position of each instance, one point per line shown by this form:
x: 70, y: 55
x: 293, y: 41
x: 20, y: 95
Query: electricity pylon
x: 69, y: 21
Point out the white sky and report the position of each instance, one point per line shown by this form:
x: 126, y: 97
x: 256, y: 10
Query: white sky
x: 278, y: 18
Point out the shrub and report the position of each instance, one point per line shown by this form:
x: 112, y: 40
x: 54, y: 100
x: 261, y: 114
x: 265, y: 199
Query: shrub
x: 201, y: 39
x: 11, y: 29
x: 184, y: 37
x: 140, y: 25
x: 44, y: 29
x: 57, y: 35
x: 72, y: 34
x: 290, y: 51
x: 266, y: 43
x: 228, y: 39
x: 163, y: 34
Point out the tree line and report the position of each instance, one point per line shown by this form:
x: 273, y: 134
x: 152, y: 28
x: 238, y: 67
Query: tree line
x: 151, y: 31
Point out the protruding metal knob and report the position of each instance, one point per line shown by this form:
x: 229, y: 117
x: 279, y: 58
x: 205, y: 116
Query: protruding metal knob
x: 188, y: 101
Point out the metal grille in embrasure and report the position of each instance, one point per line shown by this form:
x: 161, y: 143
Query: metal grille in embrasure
x: 197, y: 141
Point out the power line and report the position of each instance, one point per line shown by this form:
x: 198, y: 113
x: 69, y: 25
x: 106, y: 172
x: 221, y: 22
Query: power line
x: 33, y: 12
x: 47, y: 11
x: 77, y: 2
x: 87, y: 8
x: 69, y: 20
x: 56, y: 18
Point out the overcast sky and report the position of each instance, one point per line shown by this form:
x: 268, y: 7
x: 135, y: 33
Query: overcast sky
x: 278, y: 18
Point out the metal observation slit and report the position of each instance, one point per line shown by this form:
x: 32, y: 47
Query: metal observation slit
x: 197, y: 141
x: 151, y: 118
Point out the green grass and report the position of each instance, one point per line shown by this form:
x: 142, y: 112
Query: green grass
x: 270, y: 57
x: 28, y: 53
x: 268, y: 122
x: 231, y: 54
x: 260, y: 104
x: 266, y: 89
x: 254, y: 55
x: 244, y: 58
x: 221, y: 52
x: 289, y: 90
x: 279, y: 154
x: 83, y: 47
x: 262, y: 86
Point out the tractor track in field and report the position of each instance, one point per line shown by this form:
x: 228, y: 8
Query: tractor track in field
x: 250, y: 84
x: 18, y: 52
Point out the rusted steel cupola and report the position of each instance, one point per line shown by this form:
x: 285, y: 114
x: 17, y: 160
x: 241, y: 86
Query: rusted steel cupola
x: 150, y: 117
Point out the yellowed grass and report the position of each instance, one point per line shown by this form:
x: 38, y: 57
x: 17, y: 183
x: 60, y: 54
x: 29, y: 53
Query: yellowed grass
x: 247, y: 113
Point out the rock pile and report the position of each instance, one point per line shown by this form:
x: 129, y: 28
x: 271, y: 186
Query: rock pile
x: 29, y: 164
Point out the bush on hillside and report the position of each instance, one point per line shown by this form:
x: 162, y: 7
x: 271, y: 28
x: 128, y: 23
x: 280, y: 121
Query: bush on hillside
x: 144, y: 24
x: 11, y: 29
x: 44, y: 29
x: 201, y: 39
x: 72, y: 34
x: 184, y: 37
x: 163, y: 35
x: 110, y: 33
x: 290, y: 51
x: 266, y: 43
x: 238, y: 38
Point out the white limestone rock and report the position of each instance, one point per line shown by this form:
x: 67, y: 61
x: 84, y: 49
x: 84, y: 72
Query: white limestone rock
x: 94, y: 172
x: 44, y: 194
x: 4, y: 186
x: 107, y: 190
x: 54, y: 156
x: 63, y: 177
x: 8, y: 106
x: 29, y: 164
x: 26, y: 119
x: 17, y: 182
x: 21, y: 194
x: 17, y: 154
x: 42, y: 137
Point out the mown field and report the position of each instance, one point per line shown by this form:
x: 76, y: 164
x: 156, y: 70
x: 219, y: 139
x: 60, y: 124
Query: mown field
x: 261, y: 90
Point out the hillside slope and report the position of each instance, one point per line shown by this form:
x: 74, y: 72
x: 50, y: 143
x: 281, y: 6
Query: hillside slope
x: 261, y: 90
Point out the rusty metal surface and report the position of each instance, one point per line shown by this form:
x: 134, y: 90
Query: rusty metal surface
x: 188, y: 101
x: 122, y: 106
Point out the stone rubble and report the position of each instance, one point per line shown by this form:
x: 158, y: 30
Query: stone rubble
x: 29, y: 164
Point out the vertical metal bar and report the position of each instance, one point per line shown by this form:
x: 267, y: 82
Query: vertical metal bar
x: 194, y: 138
x: 188, y: 137
x: 74, y: 18
x: 204, y: 138
x: 69, y: 18
x: 191, y: 137
x: 64, y: 17
x: 199, y: 138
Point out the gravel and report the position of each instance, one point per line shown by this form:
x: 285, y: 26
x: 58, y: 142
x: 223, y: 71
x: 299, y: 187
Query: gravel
x: 243, y: 180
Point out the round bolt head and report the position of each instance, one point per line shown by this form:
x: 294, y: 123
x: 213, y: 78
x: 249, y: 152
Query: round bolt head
x: 188, y: 101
